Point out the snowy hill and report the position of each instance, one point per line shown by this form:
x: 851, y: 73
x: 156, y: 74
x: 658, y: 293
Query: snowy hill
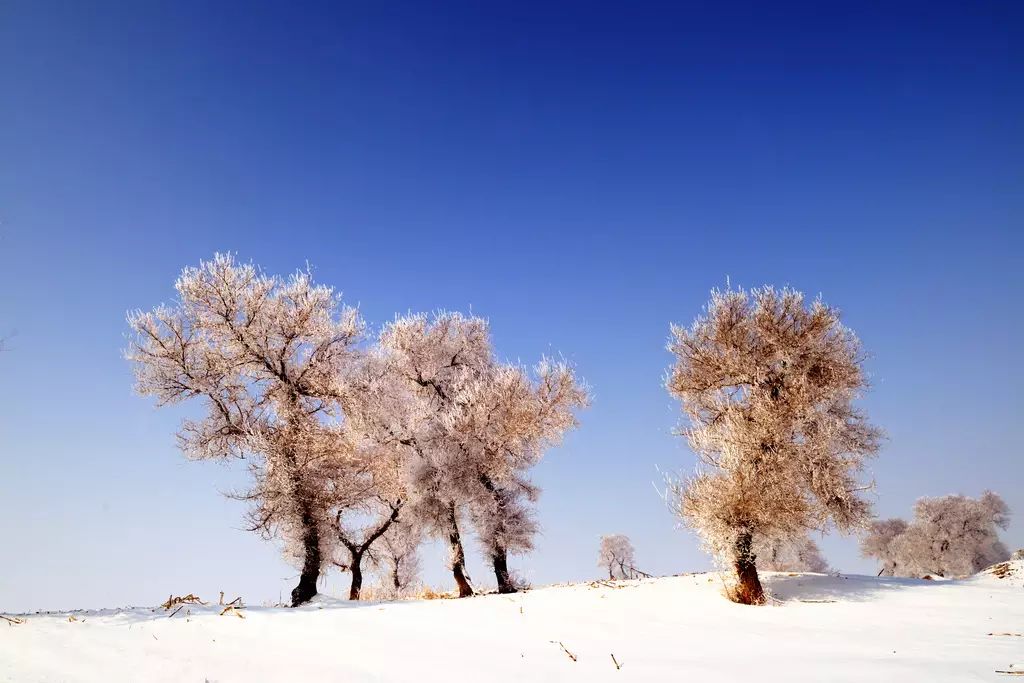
x: 844, y: 628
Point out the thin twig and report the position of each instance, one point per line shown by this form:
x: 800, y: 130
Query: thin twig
x: 13, y: 620
x: 616, y: 662
x: 565, y: 649
x: 233, y: 610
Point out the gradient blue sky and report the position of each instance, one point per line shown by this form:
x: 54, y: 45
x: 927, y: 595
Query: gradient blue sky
x: 580, y: 173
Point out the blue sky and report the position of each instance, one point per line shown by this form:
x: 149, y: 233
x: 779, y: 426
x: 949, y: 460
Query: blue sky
x: 581, y: 174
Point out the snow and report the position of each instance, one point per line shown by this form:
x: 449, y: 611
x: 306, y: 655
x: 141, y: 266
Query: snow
x: 817, y: 627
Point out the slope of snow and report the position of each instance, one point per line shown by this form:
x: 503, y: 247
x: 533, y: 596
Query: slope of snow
x: 835, y: 628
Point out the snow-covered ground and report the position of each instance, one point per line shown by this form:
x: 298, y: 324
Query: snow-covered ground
x: 818, y: 628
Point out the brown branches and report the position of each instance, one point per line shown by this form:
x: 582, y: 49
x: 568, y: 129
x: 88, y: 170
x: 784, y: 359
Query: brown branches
x: 174, y: 601
x: 565, y: 649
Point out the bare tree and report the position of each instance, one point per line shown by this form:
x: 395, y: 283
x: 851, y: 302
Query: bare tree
x: 617, y: 557
x: 950, y: 536
x: 796, y: 555
x: 768, y: 385
x: 267, y: 357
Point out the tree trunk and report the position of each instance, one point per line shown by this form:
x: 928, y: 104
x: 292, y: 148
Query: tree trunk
x: 306, y: 589
x: 394, y: 578
x: 500, y: 559
x: 748, y: 590
x: 356, y: 567
x: 458, y: 555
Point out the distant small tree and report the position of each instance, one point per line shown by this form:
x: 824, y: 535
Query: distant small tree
x: 950, y: 536
x: 397, y: 559
x: 616, y: 556
x: 800, y: 555
x: 878, y: 543
x: 768, y: 385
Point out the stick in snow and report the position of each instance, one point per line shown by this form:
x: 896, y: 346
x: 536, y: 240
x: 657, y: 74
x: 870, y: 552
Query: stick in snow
x: 565, y: 649
x: 616, y: 662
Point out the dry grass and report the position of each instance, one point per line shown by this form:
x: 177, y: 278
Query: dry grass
x: 1001, y: 570
x: 429, y: 593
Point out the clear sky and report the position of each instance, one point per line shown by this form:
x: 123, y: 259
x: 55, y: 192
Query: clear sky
x: 579, y: 173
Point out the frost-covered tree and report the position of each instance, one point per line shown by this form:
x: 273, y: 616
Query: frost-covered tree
x: 425, y: 365
x: 504, y: 424
x: 475, y: 427
x: 267, y: 357
x: 878, y: 543
x: 616, y: 556
x: 768, y: 385
x: 949, y: 536
x: 796, y: 555
x: 358, y: 540
x: 397, y: 559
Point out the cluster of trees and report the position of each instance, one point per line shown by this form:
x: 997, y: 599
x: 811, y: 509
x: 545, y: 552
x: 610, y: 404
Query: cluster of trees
x: 949, y: 536
x: 359, y: 448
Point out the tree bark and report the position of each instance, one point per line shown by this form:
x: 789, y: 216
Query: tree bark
x: 306, y: 589
x: 458, y: 555
x: 357, y: 576
x: 499, y: 557
x: 748, y: 590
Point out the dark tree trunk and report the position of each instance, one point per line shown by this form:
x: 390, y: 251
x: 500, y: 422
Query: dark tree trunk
x: 748, y: 590
x: 306, y: 589
x: 500, y: 559
x: 458, y: 555
x: 499, y: 554
x: 394, y: 578
x: 356, y: 551
x: 357, y: 576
